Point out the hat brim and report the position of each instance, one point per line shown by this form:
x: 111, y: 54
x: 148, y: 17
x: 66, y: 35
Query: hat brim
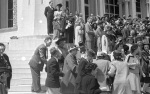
x: 72, y: 49
x: 60, y: 40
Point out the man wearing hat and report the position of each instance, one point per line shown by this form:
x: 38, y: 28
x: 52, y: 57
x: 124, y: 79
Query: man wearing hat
x: 49, y: 13
x: 37, y: 62
x: 69, y: 69
x: 60, y: 45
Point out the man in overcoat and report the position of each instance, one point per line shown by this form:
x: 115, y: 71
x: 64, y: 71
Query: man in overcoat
x: 69, y: 69
x: 49, y: 13
x: 37, y: 62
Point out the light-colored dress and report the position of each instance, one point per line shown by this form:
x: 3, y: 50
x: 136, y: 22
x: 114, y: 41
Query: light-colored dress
x: 78, y: 35
x: 134, y: 77
x: 101, y: 75
x: 121, y: 84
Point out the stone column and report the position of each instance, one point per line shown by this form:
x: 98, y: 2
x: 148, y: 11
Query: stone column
x: 120, y: 8
x: 102, y: 7
x: 127, y: 8
x: 133, y: 8
x: 147, y: 8
x: 83, y: 9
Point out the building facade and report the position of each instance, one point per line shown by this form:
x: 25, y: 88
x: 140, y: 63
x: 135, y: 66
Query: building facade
x: 26, y: 17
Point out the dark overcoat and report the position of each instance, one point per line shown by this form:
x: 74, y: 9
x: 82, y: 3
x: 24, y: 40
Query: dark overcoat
x: 53, y: 74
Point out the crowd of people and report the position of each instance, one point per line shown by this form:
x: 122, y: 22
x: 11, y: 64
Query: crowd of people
x: 118, y: 45
x: 104, y: 55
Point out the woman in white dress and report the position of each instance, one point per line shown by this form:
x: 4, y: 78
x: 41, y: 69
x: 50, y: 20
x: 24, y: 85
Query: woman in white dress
x: 119, y: 70
x: 79, y: 33
x: 134, y: 69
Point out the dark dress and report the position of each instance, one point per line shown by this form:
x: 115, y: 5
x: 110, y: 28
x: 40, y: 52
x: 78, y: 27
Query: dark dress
x: 81, y: 72
x: 145, y: 65
x: 5, y: 66
x: 90, y: 85
x: 49, y: 13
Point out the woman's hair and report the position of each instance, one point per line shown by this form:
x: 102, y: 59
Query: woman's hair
x: 89, y: 67
x: 90, y: 52
x: 117, y: 55
x: 134, y: 47
x: 53, y: 51
x: 1, y: 44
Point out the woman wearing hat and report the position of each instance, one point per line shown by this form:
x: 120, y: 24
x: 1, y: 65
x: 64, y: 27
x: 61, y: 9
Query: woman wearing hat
x: 58, y: 13
x: 57, y: 23
x: 145, y: 65
x: 119, y: 70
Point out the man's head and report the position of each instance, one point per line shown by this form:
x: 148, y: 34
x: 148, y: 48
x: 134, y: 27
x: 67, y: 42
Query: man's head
x: 61, y: 42
x: 51, y: 3
x: 90, y: 54
x: 48, y: 41
x: 2, y: 48
x: 55, y: 53
x: 73, y: 50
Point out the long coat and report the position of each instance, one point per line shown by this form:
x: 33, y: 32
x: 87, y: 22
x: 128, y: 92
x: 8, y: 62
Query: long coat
x: 53, y: 74
x: 69, y: 69
x: 49, y: 13
x: 4, y: 62
x: 39, y: 58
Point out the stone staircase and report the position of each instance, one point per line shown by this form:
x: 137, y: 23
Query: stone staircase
x: 20, y: 51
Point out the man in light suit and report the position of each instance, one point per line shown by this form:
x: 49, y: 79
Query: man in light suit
x: 49, y: 13
x: 37, y: 62
x: 89, y: 34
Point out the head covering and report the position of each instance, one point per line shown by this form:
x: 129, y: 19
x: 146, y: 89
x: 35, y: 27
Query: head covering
x: 73, y: 48
x: 60, y: 40
x: 101, y: 53
x: 59, y: 5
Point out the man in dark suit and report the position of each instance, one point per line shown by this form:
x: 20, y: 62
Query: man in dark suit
x: 53, y: 72
x: 49, y: 13
x: 37, y: 62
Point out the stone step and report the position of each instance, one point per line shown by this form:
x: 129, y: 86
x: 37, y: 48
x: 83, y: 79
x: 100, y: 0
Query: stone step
x: 22, y: 58
x: 27, y: 75
x: 24, y: 44
x: 21, y: 70
x: 24, y: 93
x: 24, y: 88
x: 20, y: 64
x: 16, y: 82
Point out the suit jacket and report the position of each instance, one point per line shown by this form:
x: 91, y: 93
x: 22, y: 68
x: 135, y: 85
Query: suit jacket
x: 49, y: 13
x: 53, y: 74
x: 89, y: 32
x: 39, y: 58
x: 69, y: 69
